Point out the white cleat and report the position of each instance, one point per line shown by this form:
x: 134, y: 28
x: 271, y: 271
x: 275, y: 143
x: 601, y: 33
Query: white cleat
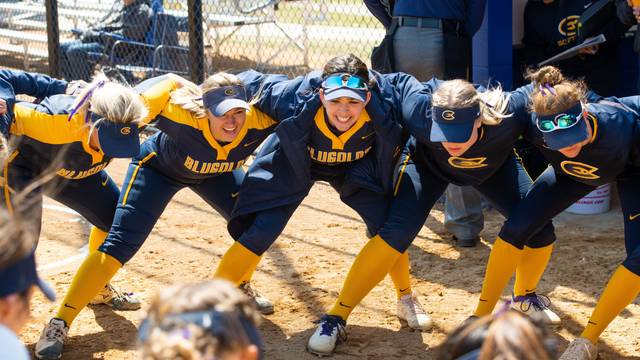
x: 329, y: 333
x: 536, y: 307
x: 580, y: 349
x: 51, y: 342
x: 411, y: 311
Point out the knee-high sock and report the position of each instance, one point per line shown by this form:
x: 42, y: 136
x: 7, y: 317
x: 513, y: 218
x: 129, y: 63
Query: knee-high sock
x: 94, y: 273
x: 235, y: 263
x: 399, y: 273
x: 369, y: 268
x: 502, y: 263
x: 249, y: 274
x: 530, y: 269
x: 96, y: 238
x: 622, y: 289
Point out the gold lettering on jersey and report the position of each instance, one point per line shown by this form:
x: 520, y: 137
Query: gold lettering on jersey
x: 211, y: 167
x: 75, y: 175
x: 579, y: 170
x: 467, y: 163
x: 334, y: 157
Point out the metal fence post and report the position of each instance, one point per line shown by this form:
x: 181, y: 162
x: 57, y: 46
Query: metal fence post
x: 196, y: 44
x: 53, y: 35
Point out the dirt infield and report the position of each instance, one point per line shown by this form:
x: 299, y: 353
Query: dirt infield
x: 304, y: 270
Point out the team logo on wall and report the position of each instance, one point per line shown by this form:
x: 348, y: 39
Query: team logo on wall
x: 569, y: 25
x: 467, y: 163
x: 579, y: 170
x: 448, y: 115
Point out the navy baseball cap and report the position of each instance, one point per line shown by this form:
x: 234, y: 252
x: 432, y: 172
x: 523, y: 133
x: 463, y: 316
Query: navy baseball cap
x: 560, y: 137
x: 453, y: 125
x: 118, y: 140
x: 221, y: 100
x: 20, y: 276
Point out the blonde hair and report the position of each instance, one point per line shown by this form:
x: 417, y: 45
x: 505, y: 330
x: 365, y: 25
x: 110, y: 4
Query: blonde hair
x: 564, y: 93
x: 507, y: 336
x: 17, y: 238
x: 218, y: 295
x: 189, y: 96
x: 111, y: 101
x: 458, y: 93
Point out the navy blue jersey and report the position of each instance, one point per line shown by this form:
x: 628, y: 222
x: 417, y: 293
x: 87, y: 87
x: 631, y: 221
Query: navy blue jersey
x: 185, y: 147
x: 482, y: 159
x: 47, y: 135
x: 326, y: 147
x: 612, y: 152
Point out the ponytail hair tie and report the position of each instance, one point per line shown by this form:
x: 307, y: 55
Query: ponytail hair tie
x: 547, y: 87
x: 550, y: 88
x: 85, y: 98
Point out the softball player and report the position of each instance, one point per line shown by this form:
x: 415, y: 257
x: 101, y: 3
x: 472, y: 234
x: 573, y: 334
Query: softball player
x: 466, y: 138
x: 588, y: 144
x: 13, y: 82
x: 206, y: 135
x: 333, y: 131
x: 63, y: 144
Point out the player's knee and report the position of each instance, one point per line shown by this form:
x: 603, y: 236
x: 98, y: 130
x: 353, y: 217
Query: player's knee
x: 255, y: 244
x: 632, y: 263
x: 543, y: 238
x: 398, y: 241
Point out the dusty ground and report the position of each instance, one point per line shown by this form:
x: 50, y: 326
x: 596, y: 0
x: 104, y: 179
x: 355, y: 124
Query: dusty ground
x: 304, y: 271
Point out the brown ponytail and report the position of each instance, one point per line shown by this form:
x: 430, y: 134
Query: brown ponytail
x: 552, y: 92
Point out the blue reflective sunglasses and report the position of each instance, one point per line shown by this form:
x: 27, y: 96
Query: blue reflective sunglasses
x: 561, y: 121
x: 564, y: 121
x: 344, y: 80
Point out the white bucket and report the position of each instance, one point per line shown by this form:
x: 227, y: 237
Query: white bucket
x: 596, y: 202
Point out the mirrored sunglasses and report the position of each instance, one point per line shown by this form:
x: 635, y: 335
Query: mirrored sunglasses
x: 344, y: 80
x: 560, y: 122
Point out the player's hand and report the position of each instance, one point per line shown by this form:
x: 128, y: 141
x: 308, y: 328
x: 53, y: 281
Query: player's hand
x: 591, y: 50
x: 74, y: 87
x: 3, y: 107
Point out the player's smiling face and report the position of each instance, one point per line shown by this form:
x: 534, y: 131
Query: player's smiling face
x: 225, y: 128
x: 343, y: 112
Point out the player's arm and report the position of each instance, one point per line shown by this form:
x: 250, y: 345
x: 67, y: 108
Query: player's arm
x: 32, y: 84
x: 631, y: 102
x: 156, y: 93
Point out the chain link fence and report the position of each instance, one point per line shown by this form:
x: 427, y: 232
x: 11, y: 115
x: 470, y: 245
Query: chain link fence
x: 288, y: 37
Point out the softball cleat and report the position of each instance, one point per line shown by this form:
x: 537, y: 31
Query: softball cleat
x: 411, y: 311
x: 580, y: 349
x: 264, y: 305
x: 537, y: 307
x: 51, y: 342
x: 113, y: 298
x: 329, y: 333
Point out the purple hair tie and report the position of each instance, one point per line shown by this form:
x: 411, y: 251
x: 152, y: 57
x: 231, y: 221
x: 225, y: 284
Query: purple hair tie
x: 503, y: 309
x: 550, y: 88
x: 542, y: 90
x: 84, y: 99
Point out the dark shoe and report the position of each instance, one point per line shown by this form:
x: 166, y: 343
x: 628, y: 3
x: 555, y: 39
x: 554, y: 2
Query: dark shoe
x: 467, y: 242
